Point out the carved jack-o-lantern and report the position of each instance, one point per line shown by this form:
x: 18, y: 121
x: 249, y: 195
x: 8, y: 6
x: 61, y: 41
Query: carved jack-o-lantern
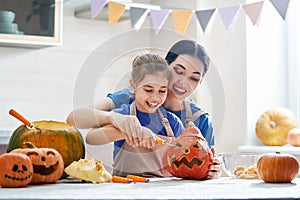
x: 190, y: 158
x: 16, y: 170
x: 48, y: 165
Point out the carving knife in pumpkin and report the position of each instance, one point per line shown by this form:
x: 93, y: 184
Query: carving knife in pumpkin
x: 20, y: 117
x: 159, y: 140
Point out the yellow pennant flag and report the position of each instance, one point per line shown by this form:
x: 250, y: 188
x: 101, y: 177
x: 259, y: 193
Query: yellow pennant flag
x: 181, y: 19
x: 115, y: 11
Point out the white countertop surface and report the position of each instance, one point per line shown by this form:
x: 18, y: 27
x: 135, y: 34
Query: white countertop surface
x: 222, y: 188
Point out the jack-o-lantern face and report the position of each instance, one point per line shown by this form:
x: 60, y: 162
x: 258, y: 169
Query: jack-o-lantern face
x: 48, y: 165
x: 16, y: 170
x: 190, y: 158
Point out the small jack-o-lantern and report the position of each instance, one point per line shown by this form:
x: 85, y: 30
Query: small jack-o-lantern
x: 190, y: 158
x: 16, y: 170
x: 48, y: 165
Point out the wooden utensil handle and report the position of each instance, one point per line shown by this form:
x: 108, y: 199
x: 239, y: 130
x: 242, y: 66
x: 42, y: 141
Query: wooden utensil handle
x: 159, y: 140
x: 19, y: 117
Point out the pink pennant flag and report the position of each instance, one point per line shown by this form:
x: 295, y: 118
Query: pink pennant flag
x: 230, y: 16
x: 96, y: 7
x: 158, y: 18
x: 254, y: 11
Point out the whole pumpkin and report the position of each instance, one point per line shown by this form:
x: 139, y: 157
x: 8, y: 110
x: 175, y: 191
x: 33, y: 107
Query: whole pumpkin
x: 294, y: 137
x: 277, y: 167
x: 48, y: 165
x: 16, y: 170
x: 188, y: 159
x: 274, y: 124
x: 64, y: 138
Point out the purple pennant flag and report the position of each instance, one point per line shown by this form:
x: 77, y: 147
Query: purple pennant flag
x: 230, y: 16
x: 281, y: 6
x: 204, y: 17
x: 158, y: 18
x: 96, y: 7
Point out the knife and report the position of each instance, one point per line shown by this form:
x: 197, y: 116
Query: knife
x: 159, y: 140
x: 20, y: 117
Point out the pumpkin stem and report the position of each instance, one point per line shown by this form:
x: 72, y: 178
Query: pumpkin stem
x: 29, y: 145
x: 273, y: 124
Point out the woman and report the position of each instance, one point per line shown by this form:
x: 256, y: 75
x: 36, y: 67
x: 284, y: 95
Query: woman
x: 189, y: 63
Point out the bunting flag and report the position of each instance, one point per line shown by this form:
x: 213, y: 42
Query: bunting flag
x: 203, y: 17
x: 254, y: 11
x: 96, y: 7
x: 181, y: 19
x: 281, y: 6
x: 158, y: 18
x: 138, y: 16
x: 229, y: 16
x: 115, y: 11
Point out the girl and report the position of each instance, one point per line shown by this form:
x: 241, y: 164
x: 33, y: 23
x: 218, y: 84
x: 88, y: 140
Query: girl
x: 149, y: 82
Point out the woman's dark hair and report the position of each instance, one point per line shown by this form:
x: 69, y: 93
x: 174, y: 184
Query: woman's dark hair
x: 191, y: 48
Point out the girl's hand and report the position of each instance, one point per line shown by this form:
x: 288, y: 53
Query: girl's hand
x: 128, y: 125
x: 147, y: 138
x: 215, y: 168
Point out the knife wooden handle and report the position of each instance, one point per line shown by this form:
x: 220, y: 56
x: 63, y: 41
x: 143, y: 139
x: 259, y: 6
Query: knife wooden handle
x: 19, y: 117
x: 159, y: 140
x: 137, y: 178
x: 119, y: 179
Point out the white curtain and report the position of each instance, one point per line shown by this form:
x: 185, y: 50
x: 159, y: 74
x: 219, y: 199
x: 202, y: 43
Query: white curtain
x: 293, y: 31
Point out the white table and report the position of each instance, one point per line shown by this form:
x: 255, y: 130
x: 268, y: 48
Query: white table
x: 222, y: 188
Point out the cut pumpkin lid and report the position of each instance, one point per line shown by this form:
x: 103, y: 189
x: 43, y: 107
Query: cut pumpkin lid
x: 51, y: 125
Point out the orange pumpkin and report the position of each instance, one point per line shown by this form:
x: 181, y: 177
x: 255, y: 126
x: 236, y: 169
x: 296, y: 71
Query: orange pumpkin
x: 64, y: 138
x: 277, y: 167
x: 189, y: 159
x: 48, y: 165
x: 294, y: 137
x: 274, y: 124
x: 16, y: 170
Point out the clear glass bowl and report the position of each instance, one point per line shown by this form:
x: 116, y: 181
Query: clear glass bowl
x: 240, y: 165
x: 6, y: 16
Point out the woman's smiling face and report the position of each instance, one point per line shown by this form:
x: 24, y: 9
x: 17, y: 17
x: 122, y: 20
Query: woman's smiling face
x: 186, y: 76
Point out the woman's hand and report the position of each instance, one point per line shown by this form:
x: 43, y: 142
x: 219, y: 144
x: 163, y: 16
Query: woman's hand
x: 215, y: 168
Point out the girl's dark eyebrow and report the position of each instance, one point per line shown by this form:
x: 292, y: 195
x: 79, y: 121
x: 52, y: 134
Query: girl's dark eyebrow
x: 180, y: 65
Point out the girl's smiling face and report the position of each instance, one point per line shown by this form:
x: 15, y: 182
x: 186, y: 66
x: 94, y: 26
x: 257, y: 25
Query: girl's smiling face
x: 186, y: 76
x: 151, y: 92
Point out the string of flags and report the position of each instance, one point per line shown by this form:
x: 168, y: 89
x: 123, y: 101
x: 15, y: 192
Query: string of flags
x: 181, y: 18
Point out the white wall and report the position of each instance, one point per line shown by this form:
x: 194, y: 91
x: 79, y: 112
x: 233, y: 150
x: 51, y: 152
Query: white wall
x: 39, y: 83
x: 228, y: 53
